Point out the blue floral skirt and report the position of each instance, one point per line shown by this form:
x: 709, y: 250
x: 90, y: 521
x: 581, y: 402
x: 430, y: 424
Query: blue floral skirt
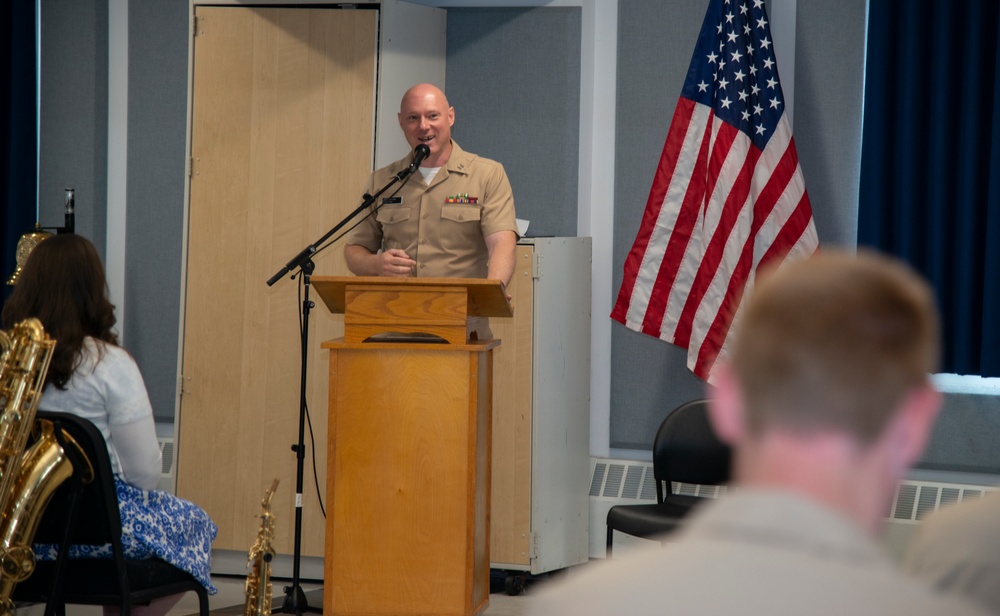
x: 155, y: 525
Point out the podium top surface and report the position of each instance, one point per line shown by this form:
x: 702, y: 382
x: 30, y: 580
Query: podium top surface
x: 487, y: 298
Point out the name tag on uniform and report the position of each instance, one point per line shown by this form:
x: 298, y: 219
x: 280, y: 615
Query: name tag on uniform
x: 392, y: 200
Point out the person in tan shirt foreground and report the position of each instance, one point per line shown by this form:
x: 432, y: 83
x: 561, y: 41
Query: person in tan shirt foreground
x: 957, y: 549
x: 826, y: 400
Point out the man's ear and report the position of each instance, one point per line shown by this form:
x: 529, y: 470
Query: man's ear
x: 451, y: 116
x: 725, y: 405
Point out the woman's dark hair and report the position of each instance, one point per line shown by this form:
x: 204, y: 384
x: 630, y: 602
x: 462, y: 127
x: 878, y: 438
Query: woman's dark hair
x: 63, y: 286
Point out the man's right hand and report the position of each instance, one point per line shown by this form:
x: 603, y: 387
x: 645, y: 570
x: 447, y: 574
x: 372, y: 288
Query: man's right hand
x: 395, y: 262
x: 392, y: 262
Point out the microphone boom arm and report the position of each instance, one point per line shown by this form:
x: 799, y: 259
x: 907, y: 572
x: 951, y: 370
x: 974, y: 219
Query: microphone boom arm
x: 420, y: 153
x: 309, y: 250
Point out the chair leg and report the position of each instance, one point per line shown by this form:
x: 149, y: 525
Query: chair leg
x: 203, y: 601
x: 607, y: 552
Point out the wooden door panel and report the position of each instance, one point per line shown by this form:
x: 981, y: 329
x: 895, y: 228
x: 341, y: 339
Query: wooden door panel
x: 281, y: 143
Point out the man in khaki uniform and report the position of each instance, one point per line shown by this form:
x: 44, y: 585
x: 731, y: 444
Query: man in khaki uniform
x: 826, y: 400
x: 957, y: 549
x: 455, y: 218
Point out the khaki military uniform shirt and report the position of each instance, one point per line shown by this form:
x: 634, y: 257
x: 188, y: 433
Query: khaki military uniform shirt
x: 957, y: 549
x: 751, y: 552
x: 442, y: 226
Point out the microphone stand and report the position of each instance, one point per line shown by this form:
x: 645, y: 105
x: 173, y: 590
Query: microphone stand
x: 295, y: 599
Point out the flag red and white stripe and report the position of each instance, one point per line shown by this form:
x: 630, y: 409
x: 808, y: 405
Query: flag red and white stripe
x: 728, y: 196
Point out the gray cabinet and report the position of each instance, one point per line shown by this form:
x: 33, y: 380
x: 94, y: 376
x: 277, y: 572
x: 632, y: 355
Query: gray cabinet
x: 541, y: 410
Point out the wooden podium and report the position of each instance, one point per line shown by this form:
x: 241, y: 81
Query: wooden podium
x: 408, y: 481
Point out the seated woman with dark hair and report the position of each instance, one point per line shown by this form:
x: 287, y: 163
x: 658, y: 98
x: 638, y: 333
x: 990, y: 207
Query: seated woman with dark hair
x: 63, y: 285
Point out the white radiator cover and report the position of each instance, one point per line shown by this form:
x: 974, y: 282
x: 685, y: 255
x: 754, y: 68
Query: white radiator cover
x: 167, y: 452
x: 629, y: 482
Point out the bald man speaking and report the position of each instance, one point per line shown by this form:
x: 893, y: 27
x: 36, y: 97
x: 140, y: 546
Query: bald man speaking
x: 454, y: 219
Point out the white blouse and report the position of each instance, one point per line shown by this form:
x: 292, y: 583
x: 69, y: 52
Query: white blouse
x: 109, y: 391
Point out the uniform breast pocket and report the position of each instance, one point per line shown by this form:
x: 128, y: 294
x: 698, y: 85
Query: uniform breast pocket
x: 460, y: 213
x: 460, y: 231
x: 393, y: 214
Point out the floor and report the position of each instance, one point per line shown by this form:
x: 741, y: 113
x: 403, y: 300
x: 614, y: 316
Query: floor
x: 230, y: 600
x: 231, y: 593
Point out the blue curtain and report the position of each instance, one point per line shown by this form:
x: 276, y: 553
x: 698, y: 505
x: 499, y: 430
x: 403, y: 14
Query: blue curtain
x: 18, y: 155
x: 930, y: 161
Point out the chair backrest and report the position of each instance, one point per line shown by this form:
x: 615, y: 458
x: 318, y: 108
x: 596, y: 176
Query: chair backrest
x: 97, y: 518
x: 82, y: 513
x: 687, y: 450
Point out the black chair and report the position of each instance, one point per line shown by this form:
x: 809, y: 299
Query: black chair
x: 685, y: 450
x: 87, y: 514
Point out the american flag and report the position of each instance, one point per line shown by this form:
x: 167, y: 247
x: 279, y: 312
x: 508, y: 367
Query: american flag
x: 728, y: 196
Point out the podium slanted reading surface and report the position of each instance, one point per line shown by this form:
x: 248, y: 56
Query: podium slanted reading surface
x: 408, y: 481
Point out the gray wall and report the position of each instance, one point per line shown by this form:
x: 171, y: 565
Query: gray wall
x: 157, y: 116
x: 829, y: 91
x: 965, y: 436
x: 73, y: 152
x: 513, y: 76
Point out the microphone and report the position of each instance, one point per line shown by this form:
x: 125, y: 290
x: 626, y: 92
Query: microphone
x: 70, y: 215
x: 419, y: 154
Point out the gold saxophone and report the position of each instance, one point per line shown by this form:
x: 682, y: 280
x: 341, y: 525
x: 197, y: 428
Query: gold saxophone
x: 28, y: 479
x: 258, y: 586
